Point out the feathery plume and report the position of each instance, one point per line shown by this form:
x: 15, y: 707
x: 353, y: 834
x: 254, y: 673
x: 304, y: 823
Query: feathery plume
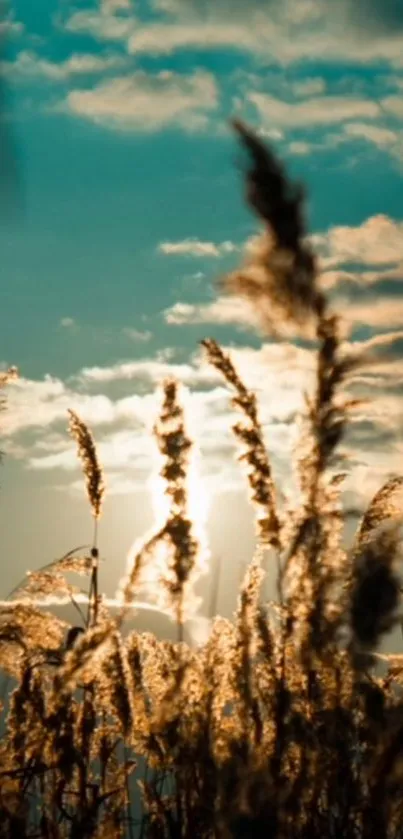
x: 88, y: 455
x: 175, y: 447
x: 279, y: 278
x: 254, y: 454
x: 386, y: 505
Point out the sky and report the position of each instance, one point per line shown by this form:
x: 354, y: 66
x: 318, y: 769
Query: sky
x: 128, y: 205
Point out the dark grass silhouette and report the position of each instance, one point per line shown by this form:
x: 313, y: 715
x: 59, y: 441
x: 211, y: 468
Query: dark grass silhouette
x: 279, y: 725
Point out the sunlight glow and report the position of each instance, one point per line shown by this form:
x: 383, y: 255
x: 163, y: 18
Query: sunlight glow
x: 197, y: 511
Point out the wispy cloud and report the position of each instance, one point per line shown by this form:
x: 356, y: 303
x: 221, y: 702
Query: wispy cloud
x: 140, y: 336
x: 150, y: 371
x: 223, y: 310
x: 11, y: 27
x: 197, y: 248
x: 166, y: 38
x: 112, y: 6
x: 347, y: 280
x: 30, y: 65
x: 67, y: 323
x: 287, y: 32
x: 283, y: 32
x: 385, y: 315
x: 382, y: 137
x: 322, y: 110
x: 367, y: 15
x: 299, y: 148
x: 308, y: 87
x: 104, y: 24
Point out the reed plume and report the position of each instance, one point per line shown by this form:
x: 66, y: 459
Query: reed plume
x: 279, y: 277
x: 250, y: 434
x: 95, y: 485
x: 175, y: 446
x: 87, y: 453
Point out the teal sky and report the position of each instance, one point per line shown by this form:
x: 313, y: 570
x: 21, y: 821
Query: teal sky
x: 130, y: 205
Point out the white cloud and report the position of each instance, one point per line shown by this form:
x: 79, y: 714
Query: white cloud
x: 334, y: 279
x: 315, y: 111
x: 394, y: 105
x: 118, y: 451
x: 145, y: 102
x: 279, y: 373
x: 150, y: 371
x: 11, y: 27
x: 30, y: 65
x: 386, y: 314
x: 223, y: 310
x: 195, y: 247
x: 309, y: 87
x: 376, y: 241
x: 299, y: 147
x: 280, y: 32
x: 123, y: 426
x: 103, y: 25
x: 49, y: 400
x: 382, y: 137
x: 270, y: 133
x: 163, y: 38
x: 381, y: 355
x: 112, y: 6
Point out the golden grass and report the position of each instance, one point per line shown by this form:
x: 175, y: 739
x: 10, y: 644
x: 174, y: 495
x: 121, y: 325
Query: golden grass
x: 278, y: 725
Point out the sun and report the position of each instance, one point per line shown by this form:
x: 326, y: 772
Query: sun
x: 198, y: 502
x: 197, y: 510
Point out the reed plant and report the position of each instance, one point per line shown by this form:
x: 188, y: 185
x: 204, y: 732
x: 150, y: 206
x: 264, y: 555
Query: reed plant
x: 281, y: 724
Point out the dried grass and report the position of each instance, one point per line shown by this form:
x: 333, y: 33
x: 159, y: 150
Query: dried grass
x: 279, y: 725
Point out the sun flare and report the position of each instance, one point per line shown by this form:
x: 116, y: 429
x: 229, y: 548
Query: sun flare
x: 197, y: 511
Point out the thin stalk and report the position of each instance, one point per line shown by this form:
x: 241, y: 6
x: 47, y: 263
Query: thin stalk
x: 215, y: 587
x: 93, y: 592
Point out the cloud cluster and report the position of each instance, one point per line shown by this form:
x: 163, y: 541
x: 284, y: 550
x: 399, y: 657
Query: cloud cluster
x: 386, y: 15
x: 373, y: 254
x: 277, y: 34
x: 35, y: 424
x: 357, y: 30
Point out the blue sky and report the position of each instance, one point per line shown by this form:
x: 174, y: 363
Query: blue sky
x: 130, y: 205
